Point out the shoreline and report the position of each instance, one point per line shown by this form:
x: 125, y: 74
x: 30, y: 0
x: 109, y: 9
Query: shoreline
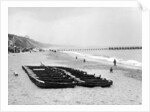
x: 104, y: 61
x: 21, y: 91
x: 133, y: 72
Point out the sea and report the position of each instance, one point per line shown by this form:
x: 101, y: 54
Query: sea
x: 125, y: 57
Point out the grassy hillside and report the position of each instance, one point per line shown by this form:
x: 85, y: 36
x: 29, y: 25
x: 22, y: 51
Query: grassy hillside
x: 24, y: 42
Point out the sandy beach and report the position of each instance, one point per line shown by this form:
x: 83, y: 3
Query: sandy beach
x: 126, y: 88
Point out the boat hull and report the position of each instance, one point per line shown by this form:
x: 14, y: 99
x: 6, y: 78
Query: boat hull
x: 62, y: 77
x: 51, y: 84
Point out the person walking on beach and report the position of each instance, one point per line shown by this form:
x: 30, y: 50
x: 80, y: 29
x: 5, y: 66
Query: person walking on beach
x: 84, y: 60
x: 115, y: 62
x: 76, y: 57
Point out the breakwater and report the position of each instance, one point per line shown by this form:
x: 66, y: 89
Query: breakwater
x: 104, y: 48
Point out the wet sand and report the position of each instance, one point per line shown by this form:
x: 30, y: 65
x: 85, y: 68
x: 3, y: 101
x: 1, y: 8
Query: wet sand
x: 126, y: 88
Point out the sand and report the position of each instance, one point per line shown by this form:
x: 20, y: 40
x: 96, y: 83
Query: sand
x: 126, y: 88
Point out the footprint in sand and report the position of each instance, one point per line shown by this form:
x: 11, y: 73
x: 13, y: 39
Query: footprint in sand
x: 103, y: 102
x: 14, y: 102
x: 24, y: 94
x: 55, y: 100
x: 131, y: 100
x: 78, y: 102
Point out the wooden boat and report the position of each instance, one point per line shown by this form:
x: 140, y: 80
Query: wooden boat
x: 63, y: 77
x: 88, y: 80
x: 37, y: 80
x: 101, y: 83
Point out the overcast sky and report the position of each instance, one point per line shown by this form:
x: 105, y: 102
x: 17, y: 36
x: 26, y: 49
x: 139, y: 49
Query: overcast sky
x: 78, y: 26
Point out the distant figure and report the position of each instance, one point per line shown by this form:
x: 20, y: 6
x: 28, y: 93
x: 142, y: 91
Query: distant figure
x: 76, y: 57
x: 84, y: 60
x: 115, y: 62
x: 111, y: 70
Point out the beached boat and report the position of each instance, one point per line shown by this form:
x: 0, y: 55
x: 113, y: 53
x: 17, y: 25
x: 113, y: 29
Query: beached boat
x: 88, y: 80
x: 101, y: 83
x: 39, y: 76
x: 63, y: 77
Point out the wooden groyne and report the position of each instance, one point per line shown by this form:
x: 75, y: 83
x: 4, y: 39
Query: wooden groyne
x: 125, y: 48
x: 104, y: 48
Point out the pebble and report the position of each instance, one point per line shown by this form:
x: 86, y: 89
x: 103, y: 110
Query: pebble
x: 15, y: 73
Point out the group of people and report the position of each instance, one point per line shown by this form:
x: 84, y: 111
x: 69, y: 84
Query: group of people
x: 111, y: 68
x: 83, y: 59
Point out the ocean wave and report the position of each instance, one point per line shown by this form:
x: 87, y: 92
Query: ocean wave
x: 104, y: 58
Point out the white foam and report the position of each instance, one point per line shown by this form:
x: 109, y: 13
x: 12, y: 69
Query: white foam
x: 104, y: 58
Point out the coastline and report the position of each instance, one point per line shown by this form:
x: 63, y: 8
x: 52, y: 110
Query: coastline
x: 102, y: 60
x: 133, y: 72
x: 126, y: 89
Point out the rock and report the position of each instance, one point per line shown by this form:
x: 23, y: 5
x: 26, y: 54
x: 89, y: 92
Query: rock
x: 15, y: 73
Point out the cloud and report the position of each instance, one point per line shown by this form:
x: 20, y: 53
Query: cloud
x: 78, y: 26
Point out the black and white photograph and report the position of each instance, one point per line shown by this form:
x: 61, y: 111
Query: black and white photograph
x: 82, y: 56
x: 75, y: 56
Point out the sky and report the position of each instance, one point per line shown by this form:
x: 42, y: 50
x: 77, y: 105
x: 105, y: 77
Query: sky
x: 78, y: 26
